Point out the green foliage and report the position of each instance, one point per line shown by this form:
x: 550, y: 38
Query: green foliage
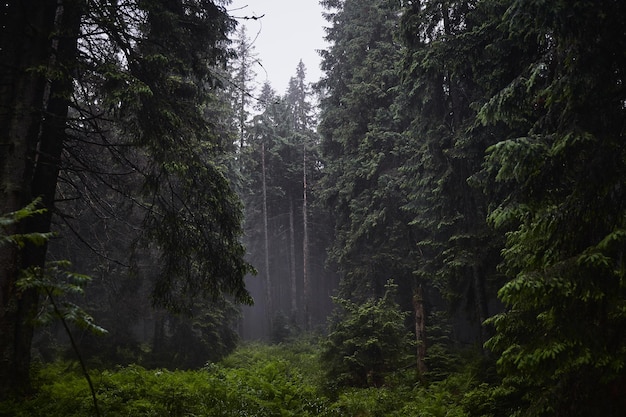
x: 128, y: 118
x: 443, y: 356
x: 260, y: 381
x: 55, y: 281
x: 458, y: 253
x: 441, y: 399
x: 559, y: 173
x: 57, y: 284
x: 300, y: 354
x: 361, y: 145
x: 161, y: 140
x: 8, y: 220
x: 126, y: 391
x: 188, y: 342
x: 278, y: 379
x: 366, y: 402
x: 485, y: 400
x: 367, y: 342
x: 256, y: 380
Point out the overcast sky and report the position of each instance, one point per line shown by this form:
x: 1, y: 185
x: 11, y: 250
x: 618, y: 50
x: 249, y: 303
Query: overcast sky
x: 290, y: 30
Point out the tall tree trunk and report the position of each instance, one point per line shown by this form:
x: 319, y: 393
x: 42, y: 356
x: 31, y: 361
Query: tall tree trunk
x: 158, y: 338
x: 242, y: 107
x: 420, y: 325
x: 292, y: 264
x: 452, y: 88
x: 266, y: 241
x: 33, y: 115
x: 305, y: 249
x: 481, y: 303
x: 482, y: 308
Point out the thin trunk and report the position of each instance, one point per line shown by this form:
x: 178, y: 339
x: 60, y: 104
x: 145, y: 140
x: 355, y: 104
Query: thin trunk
x: 244, y: 76
x: 292, y: 263
x: 158, y: 338
x: 452, y: 88
x: 305, y: 249
x: 242, y: 106
x: 420, y: 334
x: 268, y: 281
x: 83, y: 367
x: 473, y: 219
x: 481, y: 304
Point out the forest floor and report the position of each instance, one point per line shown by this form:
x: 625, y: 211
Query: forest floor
x: 256, y: 380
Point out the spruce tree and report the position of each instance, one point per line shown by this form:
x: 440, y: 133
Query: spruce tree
x: 360, y: 136
x: 242, y: 86
x: 367, y: 341
x: 445, y: 48
x: 558, y: 176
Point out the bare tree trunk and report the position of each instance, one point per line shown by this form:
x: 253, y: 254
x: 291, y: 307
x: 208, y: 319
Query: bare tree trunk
x: 420, y: 334
x: 292, y: 264
x: 268, y: 281
x: 305, y: 249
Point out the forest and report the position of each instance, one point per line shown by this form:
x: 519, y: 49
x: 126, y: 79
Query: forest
x: 436, y: 227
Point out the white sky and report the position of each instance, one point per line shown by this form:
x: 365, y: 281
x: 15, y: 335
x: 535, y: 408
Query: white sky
x: 289, y: 31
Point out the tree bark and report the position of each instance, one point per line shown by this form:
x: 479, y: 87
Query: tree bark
x: 305, y: 249
x: 33, y: 115
x: 420, y: 333
x: 452, y: 88
x: 482, y: 308
x: 292, y: 264
x: 266, y: 241
x: 25, y: 45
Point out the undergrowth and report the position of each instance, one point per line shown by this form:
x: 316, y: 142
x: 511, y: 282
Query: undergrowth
x: 256, y: 380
